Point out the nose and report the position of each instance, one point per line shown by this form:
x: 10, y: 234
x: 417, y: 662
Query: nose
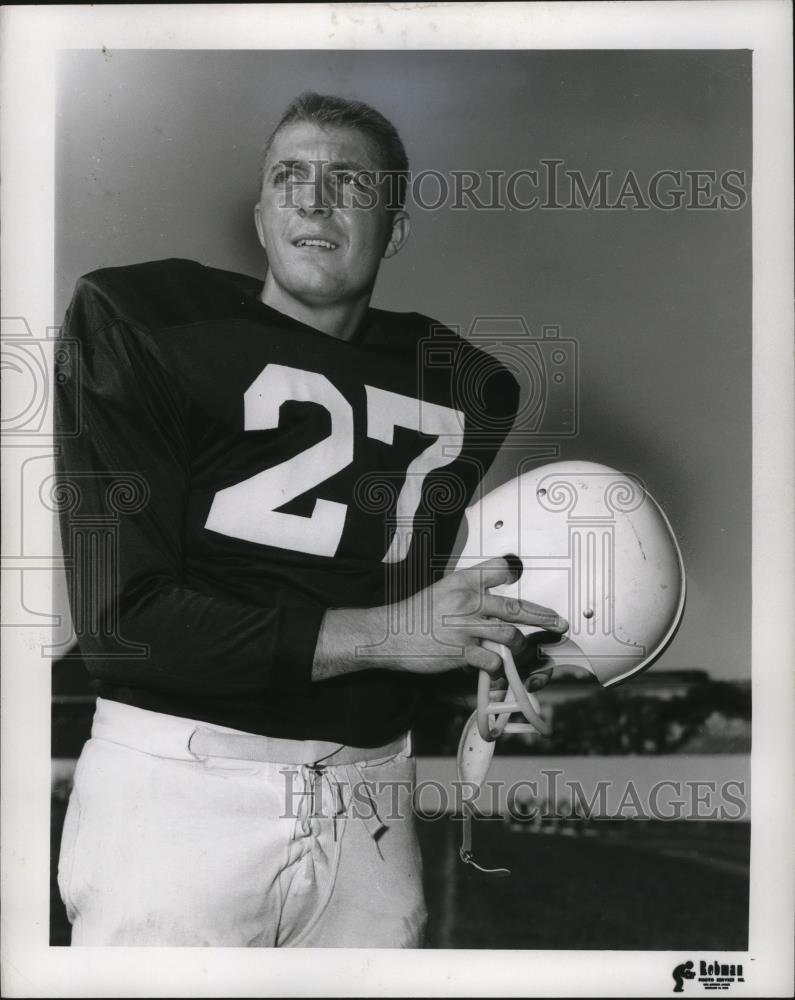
x: 315, y: 211
x: 312, y: 199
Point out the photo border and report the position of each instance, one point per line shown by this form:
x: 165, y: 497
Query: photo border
x: 30, y: 37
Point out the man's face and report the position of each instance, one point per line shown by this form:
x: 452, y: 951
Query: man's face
x: 324, y: 236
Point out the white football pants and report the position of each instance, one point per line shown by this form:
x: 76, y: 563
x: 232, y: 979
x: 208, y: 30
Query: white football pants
x: 165, y: 846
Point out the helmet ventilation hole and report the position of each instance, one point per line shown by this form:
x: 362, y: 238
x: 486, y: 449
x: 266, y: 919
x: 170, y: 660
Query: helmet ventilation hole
x: 498, y: 524
x: 542, y: 492
x: 588, y: 613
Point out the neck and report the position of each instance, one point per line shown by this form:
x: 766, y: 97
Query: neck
x: 340, y: 320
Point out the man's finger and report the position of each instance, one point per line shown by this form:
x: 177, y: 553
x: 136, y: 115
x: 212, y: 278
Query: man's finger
x: 540, y: 680
x: 483, y: 659
x: 511, y: 609
x: 493, y: 572
x: 502, y: 632
x: 498, y: 631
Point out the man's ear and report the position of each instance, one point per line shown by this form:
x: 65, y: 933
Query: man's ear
x: 401, y: 227
x: 258, y: 224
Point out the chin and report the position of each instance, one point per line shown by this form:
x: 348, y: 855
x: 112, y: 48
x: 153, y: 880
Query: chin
x: 318, y: 287
x: 316, y: 295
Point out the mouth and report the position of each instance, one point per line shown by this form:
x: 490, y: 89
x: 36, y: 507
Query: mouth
x: 314, y: 243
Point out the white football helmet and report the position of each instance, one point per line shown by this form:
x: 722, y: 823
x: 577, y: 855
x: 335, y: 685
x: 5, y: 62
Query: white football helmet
x: 595, y: 547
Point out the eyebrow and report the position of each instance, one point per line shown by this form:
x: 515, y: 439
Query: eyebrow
x: 331, y: 165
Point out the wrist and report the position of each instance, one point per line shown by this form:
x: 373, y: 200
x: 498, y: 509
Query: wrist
x: 351, y: 640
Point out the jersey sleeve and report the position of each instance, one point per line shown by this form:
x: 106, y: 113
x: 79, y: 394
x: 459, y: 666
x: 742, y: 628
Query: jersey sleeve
x: 126, y: 476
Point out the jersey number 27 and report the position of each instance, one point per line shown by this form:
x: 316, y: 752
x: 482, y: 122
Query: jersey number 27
x: 248, y: 511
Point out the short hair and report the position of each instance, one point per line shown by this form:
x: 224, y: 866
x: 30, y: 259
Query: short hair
x: 328, y: 111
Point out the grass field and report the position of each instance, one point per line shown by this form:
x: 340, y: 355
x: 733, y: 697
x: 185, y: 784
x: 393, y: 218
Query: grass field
x: 632, y: 885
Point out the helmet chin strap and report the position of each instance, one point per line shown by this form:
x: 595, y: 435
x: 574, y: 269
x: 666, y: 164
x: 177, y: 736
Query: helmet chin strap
x: 504, y: 708
x: 465, y: 853
x: 476, y: 747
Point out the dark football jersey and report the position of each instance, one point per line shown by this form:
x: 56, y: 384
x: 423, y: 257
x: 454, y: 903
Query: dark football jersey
x: 237, y: 473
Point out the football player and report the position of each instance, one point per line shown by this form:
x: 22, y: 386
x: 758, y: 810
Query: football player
x: 283, y: 476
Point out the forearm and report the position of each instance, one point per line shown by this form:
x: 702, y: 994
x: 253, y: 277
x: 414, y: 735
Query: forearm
x: 438, y: 629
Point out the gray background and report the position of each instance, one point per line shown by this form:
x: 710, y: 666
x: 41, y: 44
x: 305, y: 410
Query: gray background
x: 157, y: 155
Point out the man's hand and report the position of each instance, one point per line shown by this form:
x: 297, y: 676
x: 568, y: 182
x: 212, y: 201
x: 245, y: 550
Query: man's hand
x: 438, y: 629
